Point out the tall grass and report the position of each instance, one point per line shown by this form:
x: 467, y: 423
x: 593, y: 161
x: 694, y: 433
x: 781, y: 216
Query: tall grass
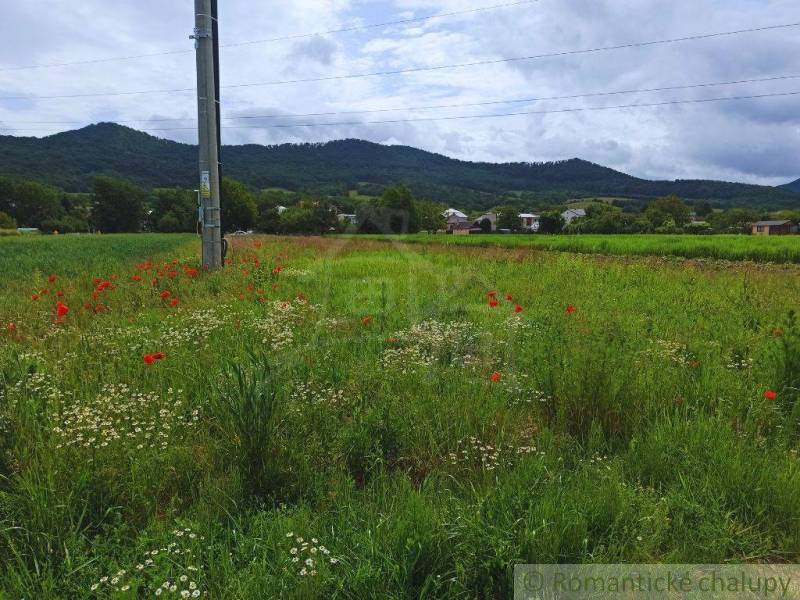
x: 344, y: 392
x: 780, y: 249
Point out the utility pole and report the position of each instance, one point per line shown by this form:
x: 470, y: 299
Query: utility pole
x: 208, y: 130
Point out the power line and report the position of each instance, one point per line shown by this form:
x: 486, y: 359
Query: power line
x: 518, y: 100
x: 491, y: 116
x: 446, y: 106
x: 296, y: 36
x: 516, y: 59
x: 511, y: 114
x: 430, y: 69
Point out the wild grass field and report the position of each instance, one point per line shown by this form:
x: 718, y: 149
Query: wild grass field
x: 777, y: 249
x: 340, y: 418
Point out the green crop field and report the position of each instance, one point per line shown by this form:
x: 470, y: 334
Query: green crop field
x: 781, y: 249
x: 346, y: 418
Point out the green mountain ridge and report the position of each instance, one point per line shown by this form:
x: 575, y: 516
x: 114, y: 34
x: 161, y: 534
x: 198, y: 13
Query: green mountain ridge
x: 70, y: 160
x: 792, y: 187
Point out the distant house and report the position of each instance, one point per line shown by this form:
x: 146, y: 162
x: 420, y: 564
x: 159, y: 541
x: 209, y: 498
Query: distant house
x: 454, y: 219
x: 774, y: 228
x: 490, y: 217
x: 464, y: 228
x: 571, y: 214
x: 345, y: 218
x: 530, y: 222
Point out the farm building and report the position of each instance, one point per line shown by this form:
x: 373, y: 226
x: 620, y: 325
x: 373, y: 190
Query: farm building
x: 774, y: 228
x: 490, y: 217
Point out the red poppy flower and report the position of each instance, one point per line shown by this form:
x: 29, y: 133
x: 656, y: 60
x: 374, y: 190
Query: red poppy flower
x: 495, y: 377
x: 770, y: 395
x: 492, y: 294
x: 44, y: 292
x: 493, y: 303
x: 366, y: 320
x: 52, y: 279
x: 241, y: 296
x: 165, y: 294
x: 174, y: 302
x: 101, y: 286
x: 99, y: 308
x: 62, y: 310
x: 60, y: 294
x: 11, y: 327
x: 137, y: 277
x: 96, y: 280
x: 571, y: 309
x: 151, y: 358
x: 509, y: 297
x: 87, y: 306
x: 518, y: 309
x: 35, y: 297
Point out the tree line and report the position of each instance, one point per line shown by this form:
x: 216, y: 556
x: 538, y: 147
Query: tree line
x: 117, y: 205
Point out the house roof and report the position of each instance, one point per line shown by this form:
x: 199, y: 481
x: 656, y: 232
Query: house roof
x: 528, y: 216
x: 452, y: 212
x: 770, y: 223
x: 578, y: 212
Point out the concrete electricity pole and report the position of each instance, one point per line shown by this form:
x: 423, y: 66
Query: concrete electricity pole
x: 208, y: 130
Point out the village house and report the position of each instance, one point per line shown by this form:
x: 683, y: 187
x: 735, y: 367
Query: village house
x: 455, y: 220
x: 774, y: 228
x: 490, y: 217
x: 571, y: 214
x: 530, y: 222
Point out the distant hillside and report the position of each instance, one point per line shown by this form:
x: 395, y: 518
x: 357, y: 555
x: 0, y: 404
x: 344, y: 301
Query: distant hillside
x: 792, y: 187
x: 70, y: 159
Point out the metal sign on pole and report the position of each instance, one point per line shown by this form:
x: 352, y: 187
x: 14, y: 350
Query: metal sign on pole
x: 208, y: 130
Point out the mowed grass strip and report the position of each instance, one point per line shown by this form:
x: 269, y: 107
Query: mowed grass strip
x: 776, y: 249
x: 330, y: 417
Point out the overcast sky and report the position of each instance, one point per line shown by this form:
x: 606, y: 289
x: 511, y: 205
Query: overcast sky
x: 753, y: 140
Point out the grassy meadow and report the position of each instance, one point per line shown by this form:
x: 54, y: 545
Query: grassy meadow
x: 777, y: 249
x: 346, y: 418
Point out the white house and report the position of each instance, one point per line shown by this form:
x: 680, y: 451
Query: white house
x: 571, y: 214
x: 530, y: 222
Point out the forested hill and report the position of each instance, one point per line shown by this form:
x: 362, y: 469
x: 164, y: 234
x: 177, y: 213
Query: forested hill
x: 69, y: 160
x: 794, y: 186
